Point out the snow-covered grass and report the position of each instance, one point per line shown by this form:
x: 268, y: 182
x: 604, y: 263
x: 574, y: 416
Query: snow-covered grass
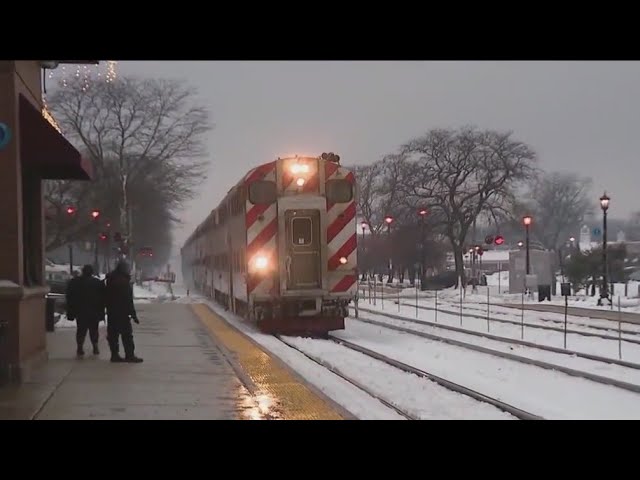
x: 421, y: 398
x: 618, y: 372
x: 498, y: 289
x: 581, y: 343
x: 547, y: 393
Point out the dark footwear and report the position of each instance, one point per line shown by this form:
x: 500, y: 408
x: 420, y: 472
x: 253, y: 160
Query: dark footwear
x: 80, y: 353
x: 117, y: 359
x: 96, y: 351
x: 133, y: 359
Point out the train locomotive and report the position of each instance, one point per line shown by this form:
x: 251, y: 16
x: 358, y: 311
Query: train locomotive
x: 280, y: 249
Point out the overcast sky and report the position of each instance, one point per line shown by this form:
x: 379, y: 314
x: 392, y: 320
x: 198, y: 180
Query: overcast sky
x: 579, y: 116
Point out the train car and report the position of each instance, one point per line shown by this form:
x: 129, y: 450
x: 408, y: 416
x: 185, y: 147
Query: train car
x: 280, y: 248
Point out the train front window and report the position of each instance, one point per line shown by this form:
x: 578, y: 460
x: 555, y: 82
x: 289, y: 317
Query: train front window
x: 263, y: 192
x: 301, y: 230
x: 339, y: 191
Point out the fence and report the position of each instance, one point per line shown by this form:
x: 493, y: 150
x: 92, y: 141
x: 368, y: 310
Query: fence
x: 509, y: 315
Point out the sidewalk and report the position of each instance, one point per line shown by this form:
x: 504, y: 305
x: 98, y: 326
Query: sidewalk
x: 184, y: 376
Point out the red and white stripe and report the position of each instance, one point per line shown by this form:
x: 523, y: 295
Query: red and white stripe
x: 262, y: 230
x: 341, y: 237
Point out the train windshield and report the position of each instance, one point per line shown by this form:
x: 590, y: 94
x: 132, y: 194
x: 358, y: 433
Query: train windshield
x: 339, y: 191
x: 263, y: 192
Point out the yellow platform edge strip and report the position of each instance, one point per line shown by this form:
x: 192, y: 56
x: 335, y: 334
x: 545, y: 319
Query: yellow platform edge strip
x: 294, y: 400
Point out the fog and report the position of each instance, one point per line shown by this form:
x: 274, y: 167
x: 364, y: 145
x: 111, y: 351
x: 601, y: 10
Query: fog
x: 578, y: 116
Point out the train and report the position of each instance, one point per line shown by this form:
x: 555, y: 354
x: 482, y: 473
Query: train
x: 280, y: 249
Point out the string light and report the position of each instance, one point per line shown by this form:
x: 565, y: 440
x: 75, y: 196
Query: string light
x: 86, y: 75
x: 111, y: 71
x: 48, y: 117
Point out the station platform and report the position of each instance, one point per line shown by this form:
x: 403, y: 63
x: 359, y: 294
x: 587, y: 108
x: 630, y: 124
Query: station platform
x: 196, y: 367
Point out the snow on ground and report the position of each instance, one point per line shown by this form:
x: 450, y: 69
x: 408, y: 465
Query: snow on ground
x: 498, y: 287
x: 618, y: 372
x: 141, y: 294
x: 550, y: 319
x: 550, y: 394
x: 581, y: 343
x: 421, y: 398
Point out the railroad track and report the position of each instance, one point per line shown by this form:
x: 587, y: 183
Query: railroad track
x: 505, y: 407
x: 526, y: 324
x: 509, y: 356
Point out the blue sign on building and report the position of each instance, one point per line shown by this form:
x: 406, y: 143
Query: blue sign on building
x: 5, y: 135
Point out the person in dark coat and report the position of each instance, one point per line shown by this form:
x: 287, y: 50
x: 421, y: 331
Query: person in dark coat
x: 85, y: 305
x: 120, y: 312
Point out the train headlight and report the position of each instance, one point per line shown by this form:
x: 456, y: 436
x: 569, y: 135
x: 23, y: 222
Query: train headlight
x: 261, y: 262
x: 300, y: 182
x: 343, y: 260
x: 297, y: 168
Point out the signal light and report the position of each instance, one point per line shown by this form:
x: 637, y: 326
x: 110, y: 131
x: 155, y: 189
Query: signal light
x: 71, y: 210
x: 499, y: 240
x: 95, y: 213
x: 488, y: 239
x: 388, y: 219
x: 103, y: 236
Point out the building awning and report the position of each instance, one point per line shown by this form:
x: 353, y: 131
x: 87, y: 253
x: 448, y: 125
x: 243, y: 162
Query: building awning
x: 45, y: 150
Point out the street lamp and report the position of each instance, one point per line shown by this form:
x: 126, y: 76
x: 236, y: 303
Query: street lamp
x: 389, y: 220
x: 423, y: 214
x: 71, y: 210
x: 526, y: 220
x: 95, y: 213
x: 363, y: 226
x: 604, y: 291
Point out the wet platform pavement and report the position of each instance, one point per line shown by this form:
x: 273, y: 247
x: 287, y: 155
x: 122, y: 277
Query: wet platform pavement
x: 184, y: 376
x: 196, y: 367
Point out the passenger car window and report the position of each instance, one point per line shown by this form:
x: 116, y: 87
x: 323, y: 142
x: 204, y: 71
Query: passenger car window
x: 301, y: 231
x: 262, y: 192
x: 339, y: 191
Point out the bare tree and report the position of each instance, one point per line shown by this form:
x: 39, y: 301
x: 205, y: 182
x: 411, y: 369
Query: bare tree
x: 559, y: 203
x: 137, y: 131
x: 461, y: 174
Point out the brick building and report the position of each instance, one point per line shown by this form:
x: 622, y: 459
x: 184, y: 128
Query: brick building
x: 35, y: 151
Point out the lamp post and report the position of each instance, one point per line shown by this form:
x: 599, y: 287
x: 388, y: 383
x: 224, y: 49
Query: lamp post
x: 604, y: 290
x: 363, y: 225
x: 526, y: 220
x: 71, y: 212
x: 95, y: 214
x: 423, y: 213
x: 389, y: 220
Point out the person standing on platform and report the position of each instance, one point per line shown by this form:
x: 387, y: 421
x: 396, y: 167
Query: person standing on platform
x: 85, y: 305
x: 120, y: 312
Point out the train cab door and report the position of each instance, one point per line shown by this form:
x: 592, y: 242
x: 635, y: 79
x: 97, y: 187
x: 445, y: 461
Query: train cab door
x: 302, y: 260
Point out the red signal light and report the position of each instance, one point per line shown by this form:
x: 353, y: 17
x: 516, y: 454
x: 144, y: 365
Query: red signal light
x: 499, y: 240
x: 71, y: 210
x: 95, y: 213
